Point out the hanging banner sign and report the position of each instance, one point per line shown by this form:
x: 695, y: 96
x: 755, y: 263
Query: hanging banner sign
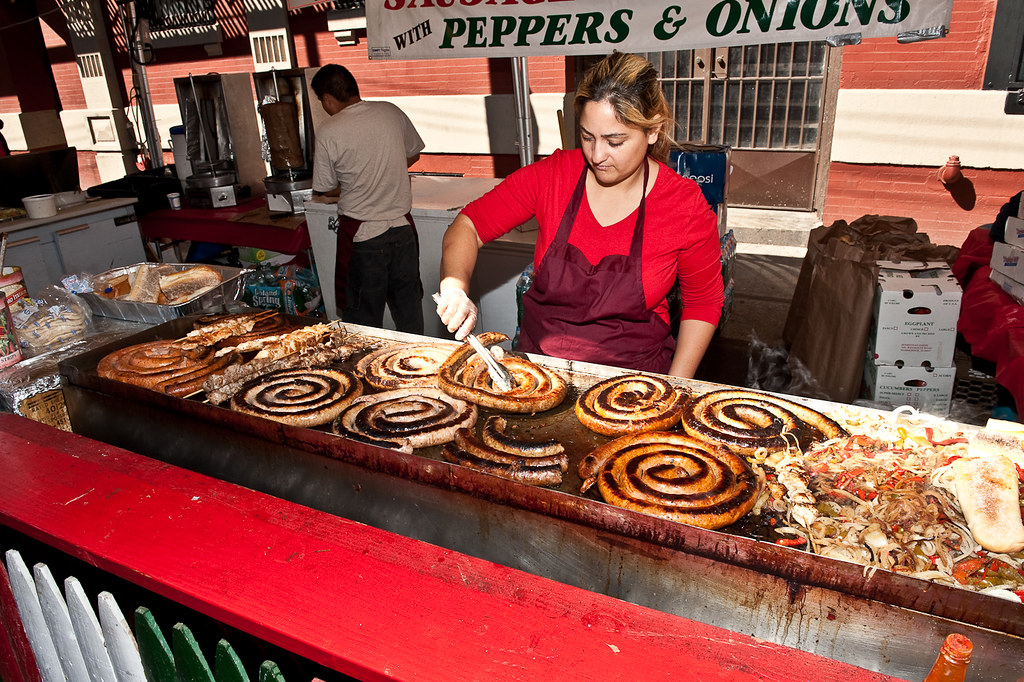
x: 444, y: 29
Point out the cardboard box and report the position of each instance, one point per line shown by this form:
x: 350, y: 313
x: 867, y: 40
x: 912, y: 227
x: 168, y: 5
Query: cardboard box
x: 1008, y: 260
x: 917, y: 306
x: 1011, y: 286
x: 1014, y: 230
x: 926, y: 389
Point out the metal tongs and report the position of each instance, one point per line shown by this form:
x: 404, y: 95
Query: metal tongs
x: 500, y: 376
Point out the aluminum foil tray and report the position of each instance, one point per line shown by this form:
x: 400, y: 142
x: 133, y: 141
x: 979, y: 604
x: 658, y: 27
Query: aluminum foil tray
x: 228, y: 291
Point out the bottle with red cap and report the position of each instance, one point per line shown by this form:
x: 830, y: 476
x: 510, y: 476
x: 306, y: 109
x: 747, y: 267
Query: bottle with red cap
x: 954, y: 656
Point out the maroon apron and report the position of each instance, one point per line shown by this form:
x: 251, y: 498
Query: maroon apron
x: 594, y: 313
x: 346, y: 230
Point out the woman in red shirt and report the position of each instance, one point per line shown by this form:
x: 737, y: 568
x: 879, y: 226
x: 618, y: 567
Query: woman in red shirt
x: 618, y: 228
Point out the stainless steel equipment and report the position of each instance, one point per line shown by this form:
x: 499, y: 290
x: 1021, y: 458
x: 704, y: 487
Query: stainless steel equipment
x: 879, y: 620
x: 210, y: 147
x: 284, y: 107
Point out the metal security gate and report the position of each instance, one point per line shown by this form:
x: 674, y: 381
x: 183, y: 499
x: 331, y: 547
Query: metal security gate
x: 770, y: 103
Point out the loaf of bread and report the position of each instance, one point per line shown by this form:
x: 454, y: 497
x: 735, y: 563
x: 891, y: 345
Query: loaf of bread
x: 145, y: 284
x: 180, y: 287
x: 987, y: 488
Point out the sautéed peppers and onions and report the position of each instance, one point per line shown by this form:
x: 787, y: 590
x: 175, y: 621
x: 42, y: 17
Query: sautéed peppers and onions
x: 885, y: 501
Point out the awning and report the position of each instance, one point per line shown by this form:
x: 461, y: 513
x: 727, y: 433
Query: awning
x: 446, y: 29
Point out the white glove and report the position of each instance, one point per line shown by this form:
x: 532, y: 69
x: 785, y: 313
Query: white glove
x: 457, y: 311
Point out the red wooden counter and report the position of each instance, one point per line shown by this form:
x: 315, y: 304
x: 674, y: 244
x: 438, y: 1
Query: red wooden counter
x: 362, y: 601
x: 228, y: 226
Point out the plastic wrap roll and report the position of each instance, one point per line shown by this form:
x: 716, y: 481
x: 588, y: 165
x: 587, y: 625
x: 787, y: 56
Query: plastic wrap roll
x: 281, y: 119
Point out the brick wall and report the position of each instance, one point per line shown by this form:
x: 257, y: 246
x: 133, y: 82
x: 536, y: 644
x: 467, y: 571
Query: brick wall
x: 88, y: 171
x: 63, y: 66
x: 956, y: 62
x: 470, y: 165
x: 947, y: 215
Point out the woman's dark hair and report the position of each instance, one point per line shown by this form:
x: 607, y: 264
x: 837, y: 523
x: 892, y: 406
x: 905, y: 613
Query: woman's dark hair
x: 335, y: 80
x: 630, y: 84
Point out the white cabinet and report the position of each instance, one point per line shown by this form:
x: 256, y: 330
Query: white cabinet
x: 436, y: 202
x: 87, y: 238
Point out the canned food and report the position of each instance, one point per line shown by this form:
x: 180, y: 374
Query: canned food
x: 10, y: 350
x: 13, y: 284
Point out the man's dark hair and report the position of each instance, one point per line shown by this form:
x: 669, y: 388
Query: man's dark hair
x: 335, y: 80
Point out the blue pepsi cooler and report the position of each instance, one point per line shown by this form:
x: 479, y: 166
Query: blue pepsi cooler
x: 708, y: 166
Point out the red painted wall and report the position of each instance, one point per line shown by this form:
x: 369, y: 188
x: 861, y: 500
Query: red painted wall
x: 63, y: 64
x: 956, y: 62
x: 947, y: 215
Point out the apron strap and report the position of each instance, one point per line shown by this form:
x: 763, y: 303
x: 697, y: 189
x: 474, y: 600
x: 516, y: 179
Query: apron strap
x: 636, y: 247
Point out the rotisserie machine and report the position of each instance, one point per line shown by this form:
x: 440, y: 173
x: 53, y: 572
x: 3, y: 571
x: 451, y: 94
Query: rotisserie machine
x: 285, y: 111
x: 221, y: 137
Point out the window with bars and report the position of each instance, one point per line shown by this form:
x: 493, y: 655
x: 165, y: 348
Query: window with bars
x: 751, y: 97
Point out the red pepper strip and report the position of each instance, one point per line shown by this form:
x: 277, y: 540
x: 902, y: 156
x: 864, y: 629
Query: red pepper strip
x: 791, y: 542
x: 1020, y: 472
x: 953, y: 459
x: 847, y: 478
x: 1020, y: 594
x: 930, y: 434
x: 966, y: 568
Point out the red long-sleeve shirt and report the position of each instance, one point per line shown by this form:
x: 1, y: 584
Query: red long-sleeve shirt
x: 680, y: 230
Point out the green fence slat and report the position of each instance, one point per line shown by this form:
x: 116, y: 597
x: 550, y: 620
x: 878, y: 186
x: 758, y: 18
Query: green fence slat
x: 227, y: 667
x: 191, y: 664
x: 155, y: 652
x: 269, y: 672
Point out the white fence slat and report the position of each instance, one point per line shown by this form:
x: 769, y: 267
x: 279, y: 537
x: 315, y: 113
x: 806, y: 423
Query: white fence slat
x: 31, y: 612
x: 87, y: 629
x: 121, y: 644
x: 55, y: 612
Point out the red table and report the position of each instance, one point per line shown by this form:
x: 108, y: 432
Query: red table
x: 221, y: 226
x: 362, y: 601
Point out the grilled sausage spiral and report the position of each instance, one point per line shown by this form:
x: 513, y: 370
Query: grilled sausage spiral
x: 747, y: 421
x: 163, y: 365
x: 298, y: 396
x: 630, y: 404
x: 403, y: 365
x: 673, y: 476
x: 419, y: 417
x: 535, y: 388
x: 501, y: 454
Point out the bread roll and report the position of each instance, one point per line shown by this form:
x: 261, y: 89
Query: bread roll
x: 988, y: 492
x: 988, y: 442
x: 182, y: 286
x: 145, y: 285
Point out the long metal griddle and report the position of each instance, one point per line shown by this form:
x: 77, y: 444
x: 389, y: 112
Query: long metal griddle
x: 878, y: 620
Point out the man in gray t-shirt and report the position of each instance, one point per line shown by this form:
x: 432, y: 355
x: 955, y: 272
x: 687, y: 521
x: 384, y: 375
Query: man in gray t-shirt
x: 363, y: 153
